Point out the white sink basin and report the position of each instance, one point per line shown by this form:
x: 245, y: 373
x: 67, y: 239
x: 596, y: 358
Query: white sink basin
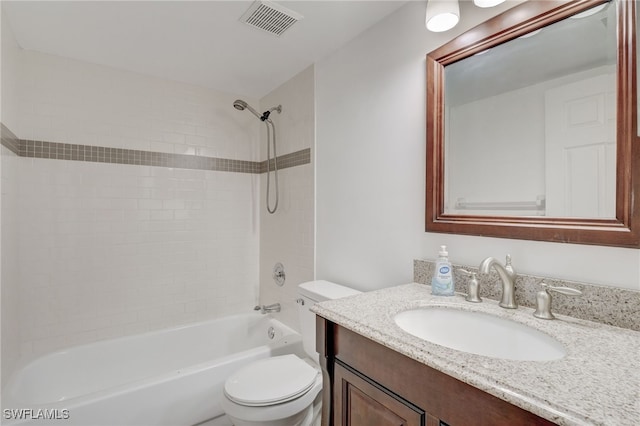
x: 479, y: 333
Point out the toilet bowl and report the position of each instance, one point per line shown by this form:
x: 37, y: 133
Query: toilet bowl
x: 283, y: 390
x: 278, y: 391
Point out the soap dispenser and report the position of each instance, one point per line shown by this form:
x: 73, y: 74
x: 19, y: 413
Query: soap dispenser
x: 442, y: 281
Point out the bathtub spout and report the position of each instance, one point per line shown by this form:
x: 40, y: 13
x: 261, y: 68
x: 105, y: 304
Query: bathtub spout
x: 264, y: 309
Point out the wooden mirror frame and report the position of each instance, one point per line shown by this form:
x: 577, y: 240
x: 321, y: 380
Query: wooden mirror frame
x: 624, y: 230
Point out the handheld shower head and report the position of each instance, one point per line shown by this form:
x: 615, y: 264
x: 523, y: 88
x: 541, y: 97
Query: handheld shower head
x: 241, y: 105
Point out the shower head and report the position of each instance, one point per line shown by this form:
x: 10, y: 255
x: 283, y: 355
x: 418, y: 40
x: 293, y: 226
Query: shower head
x: 241, y: 105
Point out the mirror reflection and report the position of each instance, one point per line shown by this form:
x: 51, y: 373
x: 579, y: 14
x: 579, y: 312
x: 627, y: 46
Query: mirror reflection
x: 530, y: 125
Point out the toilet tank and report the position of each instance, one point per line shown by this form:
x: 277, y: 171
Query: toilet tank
x: 311, y: 293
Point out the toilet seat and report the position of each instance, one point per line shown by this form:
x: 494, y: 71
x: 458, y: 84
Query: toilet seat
x: 271, y: 381
x: 283, y: 414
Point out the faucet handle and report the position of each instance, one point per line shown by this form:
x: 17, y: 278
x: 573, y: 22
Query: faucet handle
x: 562, y: 290
x: 474, y: 287
x: 543, y: 299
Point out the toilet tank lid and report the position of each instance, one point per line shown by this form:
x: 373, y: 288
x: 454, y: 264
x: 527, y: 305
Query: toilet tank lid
x: 321, y: 290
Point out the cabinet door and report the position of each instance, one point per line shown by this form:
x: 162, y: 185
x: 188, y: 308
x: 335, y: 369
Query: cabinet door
x: 360, y: 402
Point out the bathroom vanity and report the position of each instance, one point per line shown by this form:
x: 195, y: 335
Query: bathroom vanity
x: 377, y: 373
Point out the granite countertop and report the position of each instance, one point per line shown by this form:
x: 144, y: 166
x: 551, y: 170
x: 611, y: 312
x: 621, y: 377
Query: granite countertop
x: 596, y: 383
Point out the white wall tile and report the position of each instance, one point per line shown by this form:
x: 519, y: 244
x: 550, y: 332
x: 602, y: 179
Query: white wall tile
x: 110, y: 249
x: 64, y: 100
x: 10, y: 272
x: 287, y: 235
x: 9, y: 214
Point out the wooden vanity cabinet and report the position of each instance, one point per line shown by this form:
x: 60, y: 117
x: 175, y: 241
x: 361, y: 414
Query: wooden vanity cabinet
x: 368, y: 384
x: 359, y: 401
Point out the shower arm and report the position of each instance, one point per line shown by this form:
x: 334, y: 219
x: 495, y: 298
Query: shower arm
x: 267, y: 113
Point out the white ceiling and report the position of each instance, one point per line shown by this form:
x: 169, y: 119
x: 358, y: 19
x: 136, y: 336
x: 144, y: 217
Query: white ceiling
x: 198, y: 42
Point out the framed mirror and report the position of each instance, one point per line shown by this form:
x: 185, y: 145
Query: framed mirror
x: 532, y: 128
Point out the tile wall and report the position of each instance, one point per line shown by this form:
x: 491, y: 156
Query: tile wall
x: 9, y: 273
x: 110, y: 247
x: 141, y: 201
x: 288, y: 235
x: 9, y: 294
x: 63, y: 100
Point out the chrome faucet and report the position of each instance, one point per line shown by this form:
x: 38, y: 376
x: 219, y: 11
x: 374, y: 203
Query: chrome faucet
x: 264, y: 309
x: 508, y: 277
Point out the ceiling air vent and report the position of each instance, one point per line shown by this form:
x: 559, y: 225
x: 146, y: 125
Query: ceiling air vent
x: 270, y: 17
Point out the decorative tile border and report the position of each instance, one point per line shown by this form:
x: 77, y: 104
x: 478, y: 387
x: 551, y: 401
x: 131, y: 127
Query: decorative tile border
x: 288, y: 160
x: 9, y: 140
x: 609, y: 305
x: 100, y: 154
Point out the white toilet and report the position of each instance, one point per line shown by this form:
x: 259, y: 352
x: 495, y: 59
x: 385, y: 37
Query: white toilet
x: 284, y: 390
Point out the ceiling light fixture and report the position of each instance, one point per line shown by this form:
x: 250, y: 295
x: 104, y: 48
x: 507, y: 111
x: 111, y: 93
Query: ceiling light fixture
x: 487, y: 3
x: 442, y: 15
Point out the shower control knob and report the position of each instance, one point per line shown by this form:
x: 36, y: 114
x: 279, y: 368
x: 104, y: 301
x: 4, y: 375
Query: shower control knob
x: 278, y: 274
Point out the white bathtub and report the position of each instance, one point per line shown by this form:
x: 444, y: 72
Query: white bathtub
x: 168, y: 377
